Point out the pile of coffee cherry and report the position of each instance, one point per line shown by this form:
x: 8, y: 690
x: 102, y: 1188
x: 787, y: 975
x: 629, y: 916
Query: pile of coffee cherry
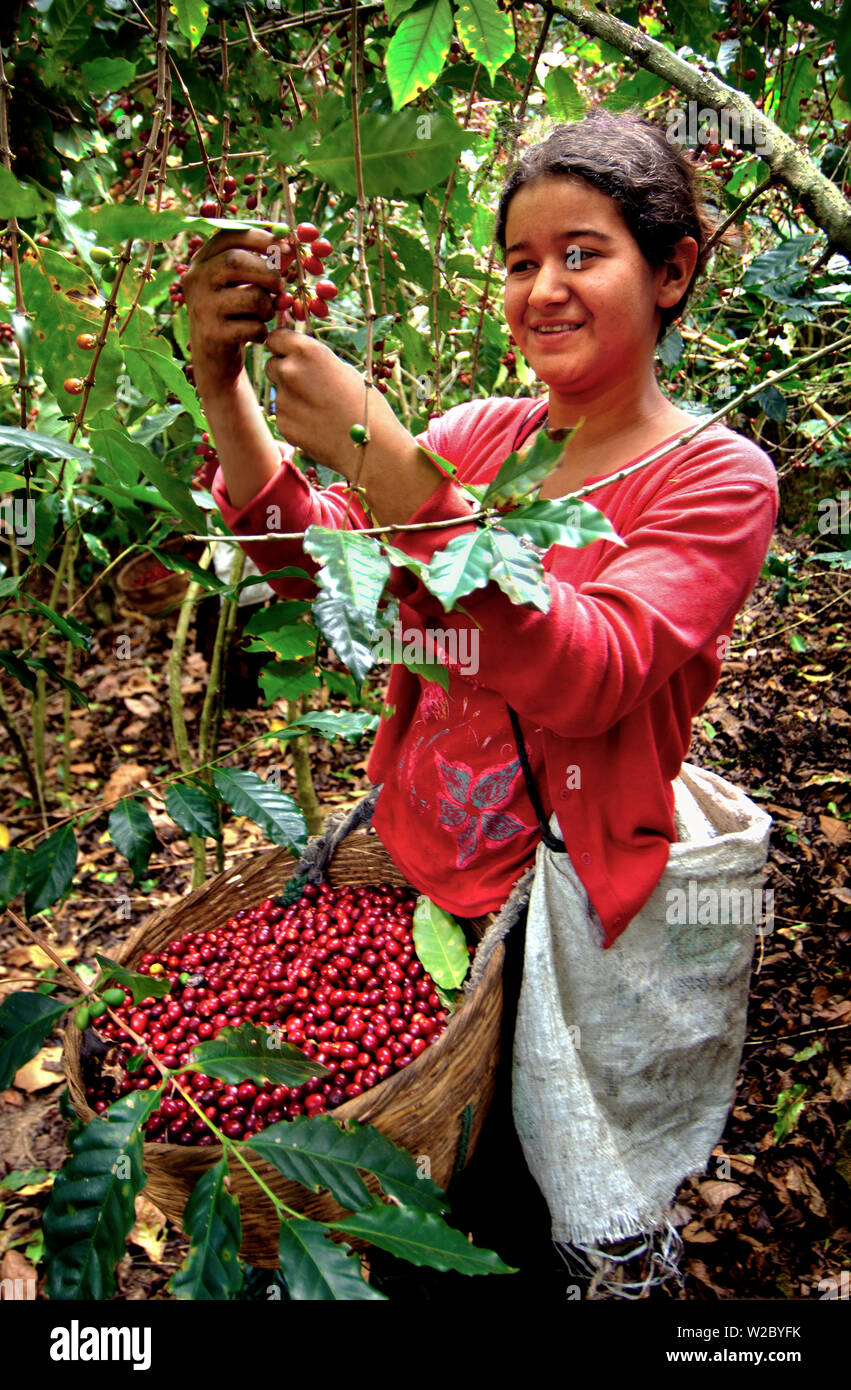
x: 335, y: 974
x: 150, y: 575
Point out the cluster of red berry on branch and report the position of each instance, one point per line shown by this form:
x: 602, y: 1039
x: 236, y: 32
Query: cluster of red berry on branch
x: 298, y: 257
x: 335, y: 973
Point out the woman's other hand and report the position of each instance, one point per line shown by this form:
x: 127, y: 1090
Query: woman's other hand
x: 230, y: 290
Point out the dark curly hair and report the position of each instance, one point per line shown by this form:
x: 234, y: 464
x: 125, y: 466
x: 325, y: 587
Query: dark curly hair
x: 633, y: 162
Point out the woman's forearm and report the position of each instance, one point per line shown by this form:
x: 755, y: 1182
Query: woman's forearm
x: 248, y: 452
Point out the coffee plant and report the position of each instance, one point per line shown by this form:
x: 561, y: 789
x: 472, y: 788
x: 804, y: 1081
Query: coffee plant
x: 372, y: 144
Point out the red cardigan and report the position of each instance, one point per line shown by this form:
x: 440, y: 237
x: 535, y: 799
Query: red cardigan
x: 609, y: 680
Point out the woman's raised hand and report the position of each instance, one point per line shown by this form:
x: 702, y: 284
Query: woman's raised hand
x: 230, y: 290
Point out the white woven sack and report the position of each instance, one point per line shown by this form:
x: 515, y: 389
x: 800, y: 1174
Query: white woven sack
x: 625, y: 1059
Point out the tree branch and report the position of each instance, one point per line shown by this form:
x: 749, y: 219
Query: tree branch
x: 790, y: 166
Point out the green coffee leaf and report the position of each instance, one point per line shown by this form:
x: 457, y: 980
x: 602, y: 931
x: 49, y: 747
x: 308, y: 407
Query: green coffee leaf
x: 78, y: 634
x: 346, y: 632
x: 274, y: 811
x: 92, y: 1205
x: 50, y: 870
x: 523, y: 472
x: 486, y: 32
x: 316, y: 1152
x: 132, y: 832
x: 462, y: 566
x: 193, y: 809
x: 140, y: 986
x: 518, y: 571
x: 417, y: 51
x: 547, y: 522
x: 212, y: 1225
x: 25, y: 1021
x: 13, y: 875
x: 440, y: 944
x: 249, y: 1053
x: 316, y: 1269
x: 422, y: 1239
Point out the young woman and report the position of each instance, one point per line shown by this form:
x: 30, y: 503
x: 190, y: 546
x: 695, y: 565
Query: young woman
x: 601, y: 228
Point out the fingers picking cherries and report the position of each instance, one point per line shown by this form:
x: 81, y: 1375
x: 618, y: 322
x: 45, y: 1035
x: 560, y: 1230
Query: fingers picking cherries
x: 331, y: 973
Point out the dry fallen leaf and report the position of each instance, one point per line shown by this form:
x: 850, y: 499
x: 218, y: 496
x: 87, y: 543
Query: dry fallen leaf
x: 35, y: 956
x: 127, y: 778
x: 83, y: 769
x: 715, y: 1193
x: 696, y: 1234
x: 14, y: 1266
x: 143, y: 706
x: 35, y: 1075
x: 835, y: 830
x: 798, y: 1180
x: 149, y: 1229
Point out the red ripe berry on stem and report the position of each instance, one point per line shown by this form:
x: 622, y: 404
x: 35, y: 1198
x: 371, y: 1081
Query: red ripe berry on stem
x: 322, y: 247
x: 326, y: 289
x: 73, y: 385
x: 86, y: 341
x: 306, y: 231
x: 209, y: 210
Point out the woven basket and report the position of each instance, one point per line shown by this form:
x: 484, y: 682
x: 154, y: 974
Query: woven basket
x: 434, y: 1107
x: 152, y: 598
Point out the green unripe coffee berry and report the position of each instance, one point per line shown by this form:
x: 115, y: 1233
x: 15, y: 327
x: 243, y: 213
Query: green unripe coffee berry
x: 279, y: 230
x: 81, y: 1018
x: 358, y: 434
x: 96, y: 1008
x: 184, y: 977
x: 100, y: 255
x: 109, y: 273
x: 113, y: 997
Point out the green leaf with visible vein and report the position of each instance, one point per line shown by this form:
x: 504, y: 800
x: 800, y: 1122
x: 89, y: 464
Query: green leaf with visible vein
x: 192, y: 808
x: 549, y: 522
x: 417, y: 51
x: 50, y: 870
x: 397, y: 161
x: 429, y: 671
x: 346, y: 631
x: 140, y: 986
x: 316, y: 1152
x: 422, y: 1239
x: 486, y: 32
x: 192, y: 16
x: 16, y: 445
x: 354, y: 568
x: 78, y: 634
x: 332, y: 724
x: 131, y: 830
x: 274, y: 811
x: 92, y: 1205
x: 518, y: 571
x: 462, y: 566
x: 249, y: 1053
x: 25, y: 1021
x: 13, y: 875
x: 315, y: 1269
x: 212, y: 1225
x: 440, y: 944
x: 523, y: 472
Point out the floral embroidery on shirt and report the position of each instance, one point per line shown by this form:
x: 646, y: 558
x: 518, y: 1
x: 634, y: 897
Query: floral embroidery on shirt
x: 470, y: 807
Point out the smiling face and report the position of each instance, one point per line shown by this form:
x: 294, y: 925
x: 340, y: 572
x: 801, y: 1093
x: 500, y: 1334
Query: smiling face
x: 580, y: 299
